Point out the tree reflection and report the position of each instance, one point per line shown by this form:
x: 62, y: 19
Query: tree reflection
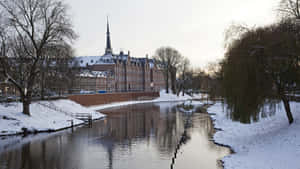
x: 124, y: 128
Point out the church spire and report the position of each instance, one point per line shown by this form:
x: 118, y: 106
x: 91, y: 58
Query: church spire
x: 108, y: 49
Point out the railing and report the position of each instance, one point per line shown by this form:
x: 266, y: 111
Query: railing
x: 83, y: 116
x: 86, y: 117
x: 53, y: 107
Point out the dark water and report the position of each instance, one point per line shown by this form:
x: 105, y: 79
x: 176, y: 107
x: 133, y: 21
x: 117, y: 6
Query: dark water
x: 141, y: 136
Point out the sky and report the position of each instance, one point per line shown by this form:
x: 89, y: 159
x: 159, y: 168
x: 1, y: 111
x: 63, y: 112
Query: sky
x: 194, y: 27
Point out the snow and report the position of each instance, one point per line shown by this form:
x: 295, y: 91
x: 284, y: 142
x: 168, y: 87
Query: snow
x: 192, y: 104
x: 56, y: 115
x: 200, y: 95
x: 42, y: 118
x: 164, y: 97
x: 270, y: 143
x: 83, y: 61
x: 93, y: 74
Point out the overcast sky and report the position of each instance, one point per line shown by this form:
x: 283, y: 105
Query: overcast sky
x: 194, y: 27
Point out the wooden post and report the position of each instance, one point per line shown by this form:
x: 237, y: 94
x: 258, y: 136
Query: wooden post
x: 90, y: 120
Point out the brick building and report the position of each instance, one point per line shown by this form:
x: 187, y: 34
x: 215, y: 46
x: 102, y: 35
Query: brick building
x: 119, y: 72
x: 91, y: 81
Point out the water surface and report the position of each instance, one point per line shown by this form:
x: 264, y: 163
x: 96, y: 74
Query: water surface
x: 144, y: 136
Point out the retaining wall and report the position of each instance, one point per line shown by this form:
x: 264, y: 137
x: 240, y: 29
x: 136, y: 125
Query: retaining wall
x: 98, y: 99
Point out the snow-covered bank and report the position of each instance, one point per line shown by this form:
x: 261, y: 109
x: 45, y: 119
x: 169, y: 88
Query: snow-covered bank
x: 164, y: 97
x: 42, y: 118
x: 56, y: 115
x: 269, y: 143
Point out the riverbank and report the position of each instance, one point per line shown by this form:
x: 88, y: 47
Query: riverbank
x: 45, y: 116
x: 164, y: 97
x: 269, y: 143
x: 49, y: 116
x: 131, y: 137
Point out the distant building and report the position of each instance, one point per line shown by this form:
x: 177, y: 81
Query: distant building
x: 6, y: 88
x: 118, y: 72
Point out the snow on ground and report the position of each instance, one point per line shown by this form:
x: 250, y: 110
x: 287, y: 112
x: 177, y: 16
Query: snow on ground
x: 42, y: 118
x: 270, y: 143
x: 200, y: 96
x: 164, y: 97
x: 189, y: 106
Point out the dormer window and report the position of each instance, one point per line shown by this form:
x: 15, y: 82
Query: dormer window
x: 81, y: 61
x: 92, y: 61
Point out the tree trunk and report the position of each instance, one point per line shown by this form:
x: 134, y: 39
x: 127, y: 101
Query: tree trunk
x: 26, y: 100
x: 178, y: 91
x: 26, y: 106
x: 173, y: 80
x: 42, y: 86
x: 167, y: 81
x: 287, y: 109
x: 183, y: 79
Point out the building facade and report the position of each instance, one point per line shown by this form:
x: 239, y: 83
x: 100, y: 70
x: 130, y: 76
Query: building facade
x: 119, y: 72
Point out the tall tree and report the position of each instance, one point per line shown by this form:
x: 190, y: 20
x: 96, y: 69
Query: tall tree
x: 170, y: 58
x: 262, y: 65
x: 31, y: 26
x: 183, y: 70
x: 233, y: 33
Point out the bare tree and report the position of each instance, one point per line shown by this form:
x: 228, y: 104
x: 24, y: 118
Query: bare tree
x: 57, y: 71
x: 170, y: 58
x: 233, y: 33
x: 183, y: 68
x: 31, y: 27
x: 289, y: 8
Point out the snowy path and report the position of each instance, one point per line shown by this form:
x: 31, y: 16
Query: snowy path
x: 270, y: 143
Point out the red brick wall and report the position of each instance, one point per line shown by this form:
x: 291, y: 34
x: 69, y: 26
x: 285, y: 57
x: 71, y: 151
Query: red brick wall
x: 98, y: 99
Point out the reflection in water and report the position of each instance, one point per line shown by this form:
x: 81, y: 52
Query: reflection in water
x: 138, y: 136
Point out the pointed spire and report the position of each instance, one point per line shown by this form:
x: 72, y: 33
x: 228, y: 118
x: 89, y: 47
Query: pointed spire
x: 108, y: 49
x: 107, y: 31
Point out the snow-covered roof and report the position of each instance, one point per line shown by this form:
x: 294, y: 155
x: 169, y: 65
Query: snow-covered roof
x: 87, y: 73
x: 83, y: 61
x: 121, y: 56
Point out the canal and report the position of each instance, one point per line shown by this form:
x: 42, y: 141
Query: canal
x: 143, y: 136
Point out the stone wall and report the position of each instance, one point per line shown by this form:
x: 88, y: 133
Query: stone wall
x: 98, y: 99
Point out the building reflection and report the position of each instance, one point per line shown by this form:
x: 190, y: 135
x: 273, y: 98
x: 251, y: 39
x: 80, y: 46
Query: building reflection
x: 125, y: 127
